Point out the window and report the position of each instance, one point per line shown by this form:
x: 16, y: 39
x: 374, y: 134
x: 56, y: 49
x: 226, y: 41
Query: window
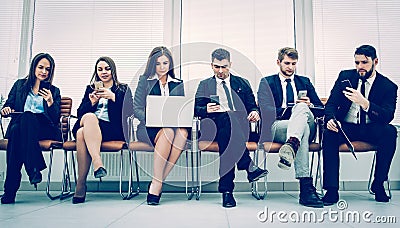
x: 252, y: 31
x: 341, y: 26
x: 76, y: 33
x: 10, y: 24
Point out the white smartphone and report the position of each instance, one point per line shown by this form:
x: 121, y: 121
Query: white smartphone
x: 98, y: 85
x: 301, y: 93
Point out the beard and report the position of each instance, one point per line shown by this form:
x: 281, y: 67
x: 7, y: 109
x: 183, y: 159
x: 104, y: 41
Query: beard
x: 368, y: 73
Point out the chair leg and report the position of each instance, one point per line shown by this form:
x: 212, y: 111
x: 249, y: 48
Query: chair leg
x: 198, y: 174
x: 66, y: 183
x: 254, y: 185
x: 371, y: 173
x: 192, y: 192
x: 318, y: 175
x: 370, y: 178
x: 130, y: 194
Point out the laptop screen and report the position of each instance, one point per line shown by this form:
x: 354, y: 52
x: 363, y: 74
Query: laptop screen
x: 169, y: 111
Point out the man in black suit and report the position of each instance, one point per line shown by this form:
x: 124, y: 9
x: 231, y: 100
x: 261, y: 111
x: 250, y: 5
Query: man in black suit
x: 230, y: 116
x: 364, y: 112
x: 288, y: 119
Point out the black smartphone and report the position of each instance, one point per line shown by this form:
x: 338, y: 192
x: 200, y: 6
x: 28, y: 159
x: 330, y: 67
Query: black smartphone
x: 214, y: 99
x: 346, y: 83
x: 44, y: 84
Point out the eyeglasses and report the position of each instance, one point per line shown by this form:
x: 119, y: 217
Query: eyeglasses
x: 218, y: 66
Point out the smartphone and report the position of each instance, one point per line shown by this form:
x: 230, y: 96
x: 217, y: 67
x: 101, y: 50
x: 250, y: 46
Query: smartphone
x: 301, y: 93
x: 214, y: 99
x: 346, y: 83
x: 44, y: 84
x: 98, y: 85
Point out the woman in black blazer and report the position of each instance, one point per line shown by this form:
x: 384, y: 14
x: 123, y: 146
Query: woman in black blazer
x: 34, y: 106
x: 159, y: 79
x: 102, y: 116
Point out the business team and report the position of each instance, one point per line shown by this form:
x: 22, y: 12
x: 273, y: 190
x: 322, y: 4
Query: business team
x: 367, y: 106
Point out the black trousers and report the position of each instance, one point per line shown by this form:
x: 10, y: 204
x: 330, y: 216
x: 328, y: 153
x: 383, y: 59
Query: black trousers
x: 23, y: 147
x: 230, y: 130
x: 384, y: 136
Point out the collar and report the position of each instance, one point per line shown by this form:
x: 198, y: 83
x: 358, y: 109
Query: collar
x: 227, y: 80
x: 371, y: 79
x: 169, y: 79
x: 282, y: 78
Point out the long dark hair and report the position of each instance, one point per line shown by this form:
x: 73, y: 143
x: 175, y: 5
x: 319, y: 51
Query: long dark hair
x: 31, y: 77
x: 152, y: 60
x: 110, y: 63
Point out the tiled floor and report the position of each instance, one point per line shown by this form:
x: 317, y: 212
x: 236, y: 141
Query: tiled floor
x: 34, y: 209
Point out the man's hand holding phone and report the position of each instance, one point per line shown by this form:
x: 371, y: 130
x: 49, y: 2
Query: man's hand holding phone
x: 354, y: 95
x: 213, y: 107
x: 302, y: 97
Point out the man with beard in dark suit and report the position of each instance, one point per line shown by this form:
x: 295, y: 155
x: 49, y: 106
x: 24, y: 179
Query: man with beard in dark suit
x: 364, y: 112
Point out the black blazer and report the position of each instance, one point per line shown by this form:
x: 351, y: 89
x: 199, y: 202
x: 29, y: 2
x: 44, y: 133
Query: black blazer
x: 147, y: 87
x: 270, y: 98
x: 118, y: 111
x: 382, y: 98
x: 270, y: 93
x: 242, y: 95
x: 17, y: 98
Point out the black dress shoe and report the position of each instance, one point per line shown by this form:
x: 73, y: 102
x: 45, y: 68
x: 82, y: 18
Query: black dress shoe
x: 8, y: 198
x: 379, y: 191
x: 77, y: 200
x: 331, y: 197
x: 152, y: 199
x: 100, y: 172
x: 256, y: 174
x: 228, y: 200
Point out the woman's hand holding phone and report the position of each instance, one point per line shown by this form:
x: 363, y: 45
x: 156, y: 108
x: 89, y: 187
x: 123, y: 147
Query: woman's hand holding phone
x: 105, y: 93
x: 93, y: 97
x: 47, y: 96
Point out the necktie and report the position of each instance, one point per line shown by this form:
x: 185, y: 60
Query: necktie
x: 289, y: 92
x: 363, y: 114
x: 228, y: 95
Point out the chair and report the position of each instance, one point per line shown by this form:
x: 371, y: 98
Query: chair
x: 360, y: 146
x: 315, y: 147
x: 106, y: 146
x: 51, y: 146
x: 211, y: 146
x: 135, y: 145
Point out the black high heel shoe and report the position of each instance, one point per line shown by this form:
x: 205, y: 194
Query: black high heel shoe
x: 35, y: 178
x: 77, y: 200
x: 100, y: 172
x: 152, y: 199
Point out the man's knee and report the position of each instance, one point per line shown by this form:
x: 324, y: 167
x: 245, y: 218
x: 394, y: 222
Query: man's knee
x: 301, y: 107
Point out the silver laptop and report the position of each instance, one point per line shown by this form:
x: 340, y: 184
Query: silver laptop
x: 169, y: 111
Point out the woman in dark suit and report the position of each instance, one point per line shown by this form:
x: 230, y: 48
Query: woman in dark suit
x: 159, y: 79
x: 102, y: 116
x: 34, y: 106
